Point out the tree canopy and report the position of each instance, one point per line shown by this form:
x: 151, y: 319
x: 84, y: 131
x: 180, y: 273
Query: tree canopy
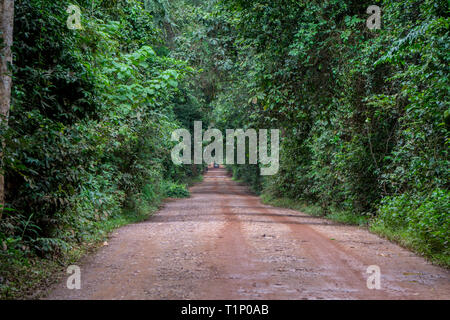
x: 363, y: 113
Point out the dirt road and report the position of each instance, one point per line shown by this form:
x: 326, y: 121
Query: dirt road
x: 222, y: 243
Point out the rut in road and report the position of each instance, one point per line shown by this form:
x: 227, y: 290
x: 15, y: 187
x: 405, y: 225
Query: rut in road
x: 222, y: 243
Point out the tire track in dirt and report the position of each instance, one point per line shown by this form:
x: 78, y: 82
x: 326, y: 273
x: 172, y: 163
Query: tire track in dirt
x: 222, y: 243
x: 332, y: 269
x: 339, y: 270
x: 236, y: 268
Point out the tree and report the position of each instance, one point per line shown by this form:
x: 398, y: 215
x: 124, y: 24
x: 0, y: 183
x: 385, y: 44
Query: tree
x: 6, y: 29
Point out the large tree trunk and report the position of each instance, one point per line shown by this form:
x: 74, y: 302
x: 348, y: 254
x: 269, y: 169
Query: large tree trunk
x: 6, y: 29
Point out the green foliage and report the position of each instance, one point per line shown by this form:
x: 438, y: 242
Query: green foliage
x: 423, y: 217
x: 334, y: 214
x: 363, y: 113
x: 174, y: 190
x: 88, y: 144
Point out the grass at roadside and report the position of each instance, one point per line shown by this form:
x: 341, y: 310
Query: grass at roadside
x: 27, y: 276
x: 195, y: 180
x: 410, y: 241
x: 401, y: 236
x: 315, y: 210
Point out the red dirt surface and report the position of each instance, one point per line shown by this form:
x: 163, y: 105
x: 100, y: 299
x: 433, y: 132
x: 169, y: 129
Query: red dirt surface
x: 222, y: 243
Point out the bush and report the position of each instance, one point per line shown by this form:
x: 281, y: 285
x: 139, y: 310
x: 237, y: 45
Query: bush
x: 87, y: 144
x: 423, y: 218
x: 174, y: 190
